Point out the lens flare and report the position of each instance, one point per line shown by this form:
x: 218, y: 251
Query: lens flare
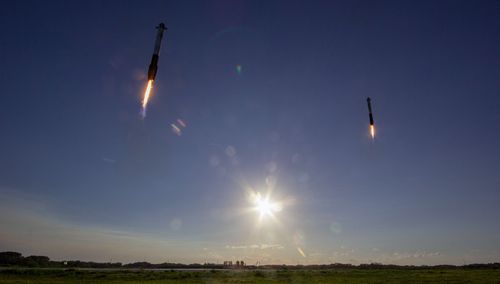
x: 181, y: 122
x: 301, y: 252
x: 372, y: 131
x: 176, y: 129
x: 146, y: 98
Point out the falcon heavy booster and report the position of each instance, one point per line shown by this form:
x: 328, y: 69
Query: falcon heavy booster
x: 369, y: 101
x: 153, y: 67
x: 372, y: 123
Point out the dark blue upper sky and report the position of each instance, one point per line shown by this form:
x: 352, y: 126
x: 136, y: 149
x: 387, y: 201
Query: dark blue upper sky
x: 293, y: 119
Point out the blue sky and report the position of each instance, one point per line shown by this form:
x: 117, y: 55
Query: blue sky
x: 273, y: 95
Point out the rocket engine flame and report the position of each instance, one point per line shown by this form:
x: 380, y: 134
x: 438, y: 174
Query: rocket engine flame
x: 146, y: 98
x: 372, y: 131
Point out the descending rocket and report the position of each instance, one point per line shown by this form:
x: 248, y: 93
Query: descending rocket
x: 153, y: 67
x: 372, y: 124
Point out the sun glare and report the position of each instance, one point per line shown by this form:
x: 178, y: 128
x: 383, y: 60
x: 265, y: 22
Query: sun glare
x: 264, y: 206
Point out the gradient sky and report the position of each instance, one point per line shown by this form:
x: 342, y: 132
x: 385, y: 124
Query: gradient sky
x: 83, y: 177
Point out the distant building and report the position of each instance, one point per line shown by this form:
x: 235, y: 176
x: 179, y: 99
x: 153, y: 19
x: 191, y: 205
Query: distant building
x: 237, y: 264
x: 228, y: 263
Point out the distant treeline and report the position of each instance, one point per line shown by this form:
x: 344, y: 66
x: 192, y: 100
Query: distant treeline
x: 15, y: 259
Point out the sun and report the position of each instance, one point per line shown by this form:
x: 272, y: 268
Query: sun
x: 265, y: 206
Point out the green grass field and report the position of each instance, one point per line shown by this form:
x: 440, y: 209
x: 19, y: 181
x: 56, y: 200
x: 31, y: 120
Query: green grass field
x: 253, y: 276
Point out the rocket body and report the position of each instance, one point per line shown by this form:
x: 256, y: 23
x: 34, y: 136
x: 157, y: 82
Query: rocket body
x: 153, y: 66
x: 370, y: 110
x: 372, y: 123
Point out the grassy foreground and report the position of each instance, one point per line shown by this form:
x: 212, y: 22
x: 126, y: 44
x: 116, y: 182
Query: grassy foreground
x: 253, y: 276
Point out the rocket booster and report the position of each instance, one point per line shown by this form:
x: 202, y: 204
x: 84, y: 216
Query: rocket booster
x: 153, y: 67
x: 369, y: 101
x: 372, y: 126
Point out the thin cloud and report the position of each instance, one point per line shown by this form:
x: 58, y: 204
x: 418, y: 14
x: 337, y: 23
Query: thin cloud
x: 255, y: 246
